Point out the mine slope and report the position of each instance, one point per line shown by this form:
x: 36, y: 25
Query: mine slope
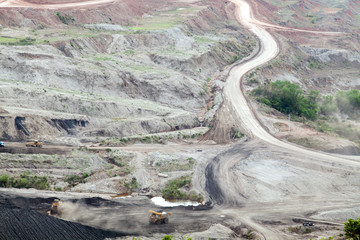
x: 257, y: 183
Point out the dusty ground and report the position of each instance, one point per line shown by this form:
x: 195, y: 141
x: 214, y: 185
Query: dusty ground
x: 257, y: 187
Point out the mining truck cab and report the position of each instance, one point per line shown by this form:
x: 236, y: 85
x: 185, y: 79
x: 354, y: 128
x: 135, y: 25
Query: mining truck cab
x: 159, y: 217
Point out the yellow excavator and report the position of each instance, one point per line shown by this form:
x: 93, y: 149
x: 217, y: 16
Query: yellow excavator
x: 35, y: 143
x: 159, y: 217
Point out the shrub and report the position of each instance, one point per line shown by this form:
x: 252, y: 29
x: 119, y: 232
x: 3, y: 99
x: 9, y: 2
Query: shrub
x: 171, y: 191
x: 65, y: 19
x: 352, y: 229
x: 235, y: 133
x: 4, y: 181
x: 132, y: 184
x: 348, y: 102
x: 24, y: 181
x: 167, y: 237
x: 288, y: 98
x: 73, y: 180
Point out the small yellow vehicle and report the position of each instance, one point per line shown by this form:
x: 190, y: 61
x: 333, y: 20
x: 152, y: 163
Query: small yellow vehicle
x: 35, y: 143
x: 55, y: 206
x: 159, y: 217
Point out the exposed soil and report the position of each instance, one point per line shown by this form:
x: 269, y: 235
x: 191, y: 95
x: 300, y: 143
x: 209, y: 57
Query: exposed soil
x: 259, y: 187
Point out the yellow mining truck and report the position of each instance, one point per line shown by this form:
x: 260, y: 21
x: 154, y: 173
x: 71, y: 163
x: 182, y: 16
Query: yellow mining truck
x: 35, y: 143
x: 55, y: 206
x: 159, y: 217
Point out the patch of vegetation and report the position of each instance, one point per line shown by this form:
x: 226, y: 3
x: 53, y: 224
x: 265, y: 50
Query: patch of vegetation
x: 66, y: 19
x: 175, y: 166
x: 234, y: 59
x: 74, y: 180
x: 24, y: 181
x: 121, y: 160
x: 171, y: 191
x: 348, y: 102
x: 204, y: 39
x: 102, y: 58
x: 315, y: 64
x: 132, y: 185
x: 288, y: 98
x: 352, y: 229
x: 302, y: 230
x: 5, y: 40
x: 248, y: 235
x: 14, y: 41
x: 130, y: 52
x: 235, y: 133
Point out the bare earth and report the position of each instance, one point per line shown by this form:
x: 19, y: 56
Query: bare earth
x: 261, y: 183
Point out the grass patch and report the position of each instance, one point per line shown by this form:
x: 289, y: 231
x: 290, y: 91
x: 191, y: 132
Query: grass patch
x: 21, y: 42
x: 161, y: 20
x: 204, y: 39
x: 102, y: 58
x: 4, y: 40
x: 174, y: 166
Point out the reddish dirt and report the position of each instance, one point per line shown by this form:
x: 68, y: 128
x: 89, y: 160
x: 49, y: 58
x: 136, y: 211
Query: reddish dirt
x: 123, y: 12
x: 120, y: 12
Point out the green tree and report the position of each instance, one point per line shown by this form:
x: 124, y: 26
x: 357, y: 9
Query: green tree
x: 352, y: 229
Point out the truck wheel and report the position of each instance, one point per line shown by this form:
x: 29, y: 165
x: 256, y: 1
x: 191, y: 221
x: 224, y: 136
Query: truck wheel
x: 166, y: 220
x: 158, y: 222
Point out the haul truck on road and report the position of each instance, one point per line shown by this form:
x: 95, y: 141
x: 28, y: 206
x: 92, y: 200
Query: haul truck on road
x: 159, y: 217
x: 35, y: 143
x: 55, y: 206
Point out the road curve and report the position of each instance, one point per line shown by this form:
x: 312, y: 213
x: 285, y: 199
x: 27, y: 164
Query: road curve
x: 232, y: 90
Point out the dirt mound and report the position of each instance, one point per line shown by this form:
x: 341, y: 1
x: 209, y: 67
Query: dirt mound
x: 19, y: 223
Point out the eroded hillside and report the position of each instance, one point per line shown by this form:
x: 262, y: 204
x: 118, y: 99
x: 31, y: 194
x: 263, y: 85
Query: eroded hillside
x: 105, y: 79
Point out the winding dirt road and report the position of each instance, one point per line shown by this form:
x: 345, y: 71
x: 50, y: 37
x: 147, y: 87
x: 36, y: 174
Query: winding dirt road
x: 232, y: 90
x: 283, y: 174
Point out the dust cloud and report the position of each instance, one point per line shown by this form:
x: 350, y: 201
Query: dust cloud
x: 108, y: 218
